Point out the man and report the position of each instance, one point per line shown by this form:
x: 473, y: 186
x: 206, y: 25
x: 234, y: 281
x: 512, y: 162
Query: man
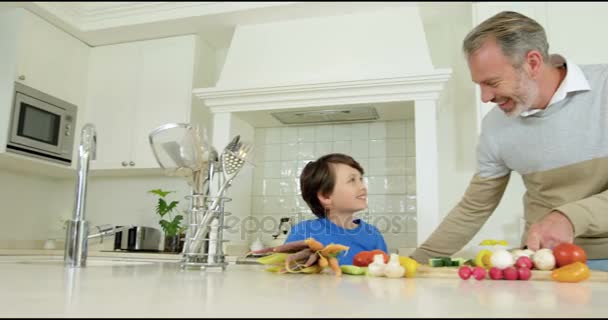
x: 551, y: 126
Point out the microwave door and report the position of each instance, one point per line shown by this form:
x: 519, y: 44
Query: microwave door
x: 37, y: 124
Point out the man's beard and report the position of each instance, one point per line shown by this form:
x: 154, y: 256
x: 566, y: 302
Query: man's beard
x: 526, y: 94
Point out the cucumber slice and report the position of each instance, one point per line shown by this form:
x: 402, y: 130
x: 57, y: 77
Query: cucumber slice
x: 436, y: 262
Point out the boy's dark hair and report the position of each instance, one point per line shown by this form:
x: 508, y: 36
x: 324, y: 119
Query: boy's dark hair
x: 318, y: 176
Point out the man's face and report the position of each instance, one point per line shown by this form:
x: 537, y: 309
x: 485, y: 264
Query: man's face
x: 511, y: 89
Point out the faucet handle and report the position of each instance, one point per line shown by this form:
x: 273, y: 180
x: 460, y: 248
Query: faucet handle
x: 88, y: 140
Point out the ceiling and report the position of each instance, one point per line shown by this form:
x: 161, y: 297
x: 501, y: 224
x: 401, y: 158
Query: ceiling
x: 101, y: 23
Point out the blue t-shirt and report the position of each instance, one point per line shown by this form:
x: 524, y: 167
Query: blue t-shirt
x: 365, y: 237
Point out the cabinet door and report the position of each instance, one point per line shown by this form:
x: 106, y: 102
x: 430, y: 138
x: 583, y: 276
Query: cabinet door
x: 112, y: 89
x: 51, y: 60
x: 164, y: 93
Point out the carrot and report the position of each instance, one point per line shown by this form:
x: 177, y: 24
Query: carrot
x: 323, y: 261
x: 311, y: 260
x: 332, y: 249
x: 333, y: 263
x: 314, y: 245
x: 291, y: 247
x: 303, y: 254
x: 261, y: 251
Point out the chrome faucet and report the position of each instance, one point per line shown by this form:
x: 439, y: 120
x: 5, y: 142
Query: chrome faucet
x: 75, y: 254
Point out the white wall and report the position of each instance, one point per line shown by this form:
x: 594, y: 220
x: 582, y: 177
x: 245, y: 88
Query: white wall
x: 32, y: 206
x: 457, y: 123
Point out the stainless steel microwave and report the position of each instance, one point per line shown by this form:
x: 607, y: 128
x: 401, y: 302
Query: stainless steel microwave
x: 42, y: 126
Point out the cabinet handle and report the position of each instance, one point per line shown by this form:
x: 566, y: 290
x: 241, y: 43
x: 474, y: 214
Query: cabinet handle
x: 21, y: 77
x: 132, y: 163
x: 124, y: 163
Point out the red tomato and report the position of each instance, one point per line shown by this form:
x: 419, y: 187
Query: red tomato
x: 567, y: 253
x: 364, y: 258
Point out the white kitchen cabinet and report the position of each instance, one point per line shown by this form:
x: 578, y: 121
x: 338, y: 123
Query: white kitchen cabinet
x: 132, y: 89
x: 50, y: 59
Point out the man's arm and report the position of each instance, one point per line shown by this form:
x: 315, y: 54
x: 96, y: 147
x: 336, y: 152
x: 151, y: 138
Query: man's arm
x: 464, y: 221
x: 587, y: 217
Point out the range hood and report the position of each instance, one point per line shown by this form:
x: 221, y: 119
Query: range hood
x: 354, y: 60
x: 360, y: 58
x: 327, y: 115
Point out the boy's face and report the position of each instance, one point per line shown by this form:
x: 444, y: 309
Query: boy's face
x: 350, y: 192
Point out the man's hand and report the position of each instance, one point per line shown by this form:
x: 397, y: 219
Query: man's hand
x: 550, y: 231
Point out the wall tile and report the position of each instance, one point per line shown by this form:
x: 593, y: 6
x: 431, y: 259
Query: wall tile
x: 377, y: 148
x: 324, y: 133
x: 377, y: 185
x: 306, y: 134
x: 359, y: 149
x: 260, y: 137
x: 342, y: 132
x: 410, y: 129
x: 289, y: 168
x: 306, y: 150
x: 289, y: 135
x: 410, y: 166
x: 272, y: 152
x: 377, y: 130
x: 395, y: 130
x: 410, y: 147
x: 360, y: 131
x: 395, y: 147
x: 341, y: 147
x: 272, y: 169
x: 289, y: 151
x: 395, y: 184
x: 322, y: 148
x: 273, y: 135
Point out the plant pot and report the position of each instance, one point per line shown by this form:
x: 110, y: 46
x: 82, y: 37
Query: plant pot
x: 172, y: 243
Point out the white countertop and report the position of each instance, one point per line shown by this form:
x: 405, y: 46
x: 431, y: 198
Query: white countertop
x: 163, y: 289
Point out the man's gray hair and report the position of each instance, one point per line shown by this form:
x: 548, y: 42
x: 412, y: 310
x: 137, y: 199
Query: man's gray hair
x: 515, y: 33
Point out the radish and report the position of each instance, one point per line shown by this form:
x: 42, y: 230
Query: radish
x: 524, y: 262
x: 464, y: 272
x: 479, y: 273
x: 495, y: 273
x: 524, y: 273
x: 510, y: 273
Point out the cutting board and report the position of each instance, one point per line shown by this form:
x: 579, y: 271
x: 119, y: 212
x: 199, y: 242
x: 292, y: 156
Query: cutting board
x: 425, y: 271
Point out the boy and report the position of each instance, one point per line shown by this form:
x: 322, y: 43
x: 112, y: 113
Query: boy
x: 334, y: 190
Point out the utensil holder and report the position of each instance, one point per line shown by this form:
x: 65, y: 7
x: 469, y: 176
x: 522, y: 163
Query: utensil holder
x: 211, y: 252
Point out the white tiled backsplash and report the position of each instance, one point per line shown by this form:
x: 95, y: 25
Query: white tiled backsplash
x: 385, y: 150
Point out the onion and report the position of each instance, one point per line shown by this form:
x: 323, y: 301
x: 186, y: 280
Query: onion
x: 502, y: 259
x: 543, y: 259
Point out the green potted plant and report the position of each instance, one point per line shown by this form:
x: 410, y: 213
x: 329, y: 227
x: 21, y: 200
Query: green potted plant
x: 170, y: 222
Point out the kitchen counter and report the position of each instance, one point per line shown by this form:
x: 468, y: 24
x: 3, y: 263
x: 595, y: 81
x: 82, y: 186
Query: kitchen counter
x: 163, y: 289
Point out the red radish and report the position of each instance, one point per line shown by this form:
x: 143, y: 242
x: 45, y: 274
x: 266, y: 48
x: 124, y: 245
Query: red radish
x: 524, y: 262
x: 464, y: 272
x: 479, y: 273
x: 510, y: 273
x: 524, y: 273
x: 495, y: 274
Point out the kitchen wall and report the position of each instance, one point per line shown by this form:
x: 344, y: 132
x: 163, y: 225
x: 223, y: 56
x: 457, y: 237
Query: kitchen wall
x: 31, y: 209
x: 385, y: 150
x: 457, y: 127
x: 34, y: 207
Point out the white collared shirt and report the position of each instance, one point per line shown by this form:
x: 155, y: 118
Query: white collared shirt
x: 573, y: 81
